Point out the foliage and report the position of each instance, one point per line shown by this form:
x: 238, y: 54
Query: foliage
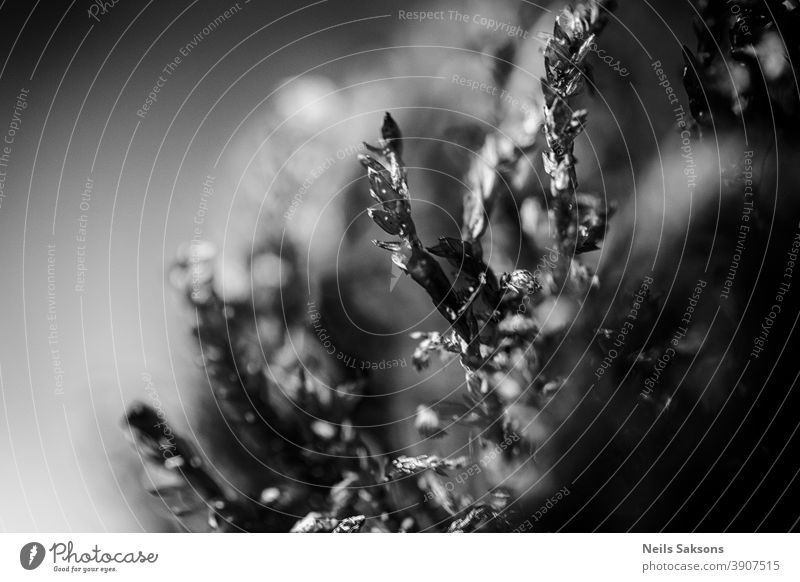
x: 312, y: 461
